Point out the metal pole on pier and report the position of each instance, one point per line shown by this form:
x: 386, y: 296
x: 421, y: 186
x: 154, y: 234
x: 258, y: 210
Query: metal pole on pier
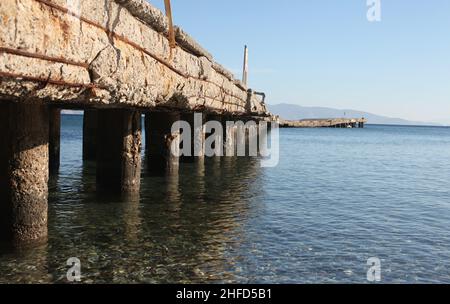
x: 172, y: 41
x: 245, y: 70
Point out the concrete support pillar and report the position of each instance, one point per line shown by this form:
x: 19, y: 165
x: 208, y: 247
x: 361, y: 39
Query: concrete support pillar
x: 252, y: 139
x: 24, y: 166
x: 54, y: 139
x: 230, y: 136
x: 196, y: 121
x: 218, y: 139
x: 263, y: 132
x: 119, y: 150
x: 241, y: 139
x: 159, y: 141
x: 90, y: 121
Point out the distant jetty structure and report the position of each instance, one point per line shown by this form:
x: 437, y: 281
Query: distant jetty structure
x: 115, y: 60
x: 324, y: 123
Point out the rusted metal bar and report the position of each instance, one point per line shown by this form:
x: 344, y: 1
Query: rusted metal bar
x: 172, y: 41
x: 51, y: 81
x: 43, y: 57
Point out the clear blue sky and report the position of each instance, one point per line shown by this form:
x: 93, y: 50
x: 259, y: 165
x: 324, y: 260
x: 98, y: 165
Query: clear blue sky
x: 326, y: 53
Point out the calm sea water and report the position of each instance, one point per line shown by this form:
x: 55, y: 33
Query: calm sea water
x: 337, y: 198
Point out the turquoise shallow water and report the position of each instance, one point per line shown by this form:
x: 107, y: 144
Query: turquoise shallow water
x: 337, y: 198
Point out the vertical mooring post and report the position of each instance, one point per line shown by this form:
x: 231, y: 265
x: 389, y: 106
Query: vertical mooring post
x: 245, y: 68
x: 119, y: 150
x: 90, y: 134
x: 160, y: 139
x: 54, y: 139
x: 24, y: 166
x: 196, y: 122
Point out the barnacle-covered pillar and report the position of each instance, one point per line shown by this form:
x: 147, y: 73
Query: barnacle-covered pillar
x: 24, y: 166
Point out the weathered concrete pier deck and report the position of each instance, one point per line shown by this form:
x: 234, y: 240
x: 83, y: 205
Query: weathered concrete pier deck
x: 112, y: 59
x: 324, y: 123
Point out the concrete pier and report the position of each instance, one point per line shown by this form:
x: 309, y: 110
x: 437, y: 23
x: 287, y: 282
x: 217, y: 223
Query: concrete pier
x: 90, y: 121
x: 128, y: 68
x: 119, y: 150
x: 23, y: 172
x: 159, y: 140
x: 54, y: 139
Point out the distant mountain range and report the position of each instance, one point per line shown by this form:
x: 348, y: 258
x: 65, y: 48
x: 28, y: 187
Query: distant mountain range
x: 295, y: 112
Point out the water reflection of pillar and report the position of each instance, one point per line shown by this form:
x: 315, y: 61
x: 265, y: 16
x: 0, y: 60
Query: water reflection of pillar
x: 132, y: 217
x: 30, y: 266
x: 201, y: 216
x: 192, y: 183
x: 263, y: 130
x: 87, y: 184
x: 227, y: 179
x: 199, y: 180
x: 173, y: 195
x: 228, y: 203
